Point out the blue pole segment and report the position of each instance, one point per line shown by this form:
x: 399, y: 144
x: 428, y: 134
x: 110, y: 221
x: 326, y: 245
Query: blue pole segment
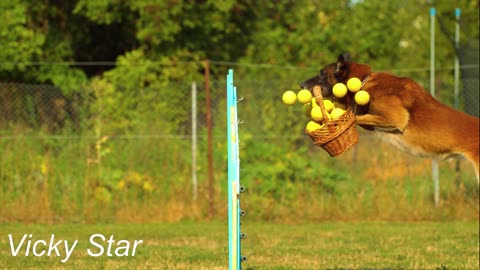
x: 233, y: 177
x: 237, y: 174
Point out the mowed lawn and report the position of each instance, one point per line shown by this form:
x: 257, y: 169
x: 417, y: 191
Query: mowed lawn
x: 190, y: 245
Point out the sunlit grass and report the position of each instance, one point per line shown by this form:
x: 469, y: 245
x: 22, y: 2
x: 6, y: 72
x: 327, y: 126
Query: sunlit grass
x: 189, y: 245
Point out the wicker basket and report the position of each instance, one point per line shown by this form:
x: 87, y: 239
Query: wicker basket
x: 336, y: 136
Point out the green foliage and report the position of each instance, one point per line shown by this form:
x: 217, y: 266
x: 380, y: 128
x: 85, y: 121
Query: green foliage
x: 103, y: 12
x: 20, y: 43
x: 386, y: 34
x: 275, y: 171
x: 69, y: 79
x: 125, y: 94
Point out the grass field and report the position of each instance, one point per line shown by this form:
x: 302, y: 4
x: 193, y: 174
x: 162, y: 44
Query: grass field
x: 188, y: 245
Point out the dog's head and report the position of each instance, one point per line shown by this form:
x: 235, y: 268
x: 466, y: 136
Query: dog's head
x: 340, y: 71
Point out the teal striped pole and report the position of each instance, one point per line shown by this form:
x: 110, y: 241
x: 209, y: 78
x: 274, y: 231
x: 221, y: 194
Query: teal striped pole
x: 237, y: 174
x: 234, y: 256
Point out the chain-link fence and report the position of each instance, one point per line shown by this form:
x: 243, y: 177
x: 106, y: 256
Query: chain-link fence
x: 44, y: 106
x: 36, y: 106
x: 88, y: 156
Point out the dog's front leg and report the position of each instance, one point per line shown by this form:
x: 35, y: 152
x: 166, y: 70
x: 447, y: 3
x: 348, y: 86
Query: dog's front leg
x: 378, y: 123
x: 386, y: 113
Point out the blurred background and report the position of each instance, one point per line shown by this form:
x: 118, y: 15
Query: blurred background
x: 98, y: 123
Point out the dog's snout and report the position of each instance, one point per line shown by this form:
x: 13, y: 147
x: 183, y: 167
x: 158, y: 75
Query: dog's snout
x: 308, y: 84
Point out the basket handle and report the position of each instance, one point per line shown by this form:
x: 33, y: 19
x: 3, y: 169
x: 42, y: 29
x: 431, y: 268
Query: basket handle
x: 317, y: 93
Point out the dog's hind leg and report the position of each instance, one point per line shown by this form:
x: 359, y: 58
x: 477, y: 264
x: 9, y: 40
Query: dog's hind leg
x: 473, y: 157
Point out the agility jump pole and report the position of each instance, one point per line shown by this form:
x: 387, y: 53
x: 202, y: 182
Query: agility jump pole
x: 234, y: 189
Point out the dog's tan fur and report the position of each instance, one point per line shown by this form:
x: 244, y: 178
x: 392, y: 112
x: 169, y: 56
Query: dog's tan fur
x: 406, y: 114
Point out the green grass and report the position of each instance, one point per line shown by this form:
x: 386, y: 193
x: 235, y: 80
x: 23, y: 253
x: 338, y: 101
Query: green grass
x: 189, y: 245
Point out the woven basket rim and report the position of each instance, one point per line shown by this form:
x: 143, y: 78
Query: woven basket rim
x: 344, y: 122
x: 335, y: 136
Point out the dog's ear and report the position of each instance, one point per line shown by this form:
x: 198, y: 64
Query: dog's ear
x: 344, y: 57
x: 341, y: 70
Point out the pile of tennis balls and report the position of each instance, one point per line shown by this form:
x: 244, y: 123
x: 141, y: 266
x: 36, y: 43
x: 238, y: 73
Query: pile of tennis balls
x: 334, y: 109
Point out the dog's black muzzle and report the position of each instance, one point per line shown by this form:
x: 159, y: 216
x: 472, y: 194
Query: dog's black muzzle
x: 320, y: 80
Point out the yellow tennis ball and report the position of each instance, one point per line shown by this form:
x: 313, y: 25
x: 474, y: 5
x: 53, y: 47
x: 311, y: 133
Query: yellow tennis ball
x: 339, y: 90
x: 289, y: 97
x: 316, y: 114
x: 354, y: 84
x: 362, y: 97
x: 312, y: 126
x: 328, y: 104
x: 304, y: 96
x: 337, y: 113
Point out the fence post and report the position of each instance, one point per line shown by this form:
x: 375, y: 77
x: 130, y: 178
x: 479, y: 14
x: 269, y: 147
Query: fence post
x: 436, y: 188
x: 457, y: 64
x: 194, y: 142
x: 456, y: 83
x: 211, y: 208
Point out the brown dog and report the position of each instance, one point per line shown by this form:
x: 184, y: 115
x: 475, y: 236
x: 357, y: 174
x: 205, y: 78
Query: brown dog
x: 401, y: 110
